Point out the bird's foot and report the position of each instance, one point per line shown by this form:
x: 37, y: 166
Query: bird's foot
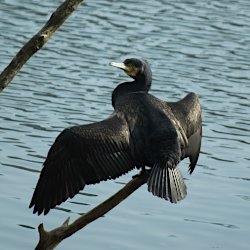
x: 143, y: 171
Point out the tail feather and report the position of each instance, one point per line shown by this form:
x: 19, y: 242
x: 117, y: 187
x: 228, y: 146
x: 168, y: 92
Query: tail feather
x: 180, y: 182
x: 167, y: 183
x: 151, y: 181
x: 173, y: 194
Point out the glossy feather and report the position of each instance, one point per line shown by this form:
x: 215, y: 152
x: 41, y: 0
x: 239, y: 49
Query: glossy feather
x: 142, y: 131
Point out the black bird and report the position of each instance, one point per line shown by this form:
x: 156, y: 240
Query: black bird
x: 142, y: 131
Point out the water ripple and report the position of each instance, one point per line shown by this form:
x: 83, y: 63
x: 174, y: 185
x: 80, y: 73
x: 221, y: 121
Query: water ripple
x: 199, y: 46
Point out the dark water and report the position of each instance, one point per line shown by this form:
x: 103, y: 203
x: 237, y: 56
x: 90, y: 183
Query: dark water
x: 200, y: 46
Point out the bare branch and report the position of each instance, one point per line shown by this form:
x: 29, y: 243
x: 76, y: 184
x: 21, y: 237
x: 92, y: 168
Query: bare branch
x: 49, y: 240
x: 37, y: 41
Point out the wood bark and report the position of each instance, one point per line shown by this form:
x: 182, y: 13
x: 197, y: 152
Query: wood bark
x: 37, y: 41
x: 50, y: 239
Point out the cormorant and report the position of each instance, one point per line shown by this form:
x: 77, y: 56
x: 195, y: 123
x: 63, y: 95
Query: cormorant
x: 142, y: 131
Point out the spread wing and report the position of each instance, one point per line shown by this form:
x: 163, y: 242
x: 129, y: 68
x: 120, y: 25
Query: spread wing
x: 83, y: 155
x: 194, y: 145
x: 176, y: 135
x: 188, y: 113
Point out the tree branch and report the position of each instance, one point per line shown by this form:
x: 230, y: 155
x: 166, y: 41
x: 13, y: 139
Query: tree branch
x: 50, y: 239
x: 37, y: 41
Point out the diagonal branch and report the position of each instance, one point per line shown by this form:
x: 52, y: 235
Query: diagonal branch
x: 37, y: 41
x: 49, y: 240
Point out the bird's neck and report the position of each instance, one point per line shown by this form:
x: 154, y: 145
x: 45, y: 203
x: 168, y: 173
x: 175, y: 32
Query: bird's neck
x: 130, y: 87
x: 143, y: 82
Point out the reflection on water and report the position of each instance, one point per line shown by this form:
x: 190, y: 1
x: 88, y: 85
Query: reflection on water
x: 198, y: 46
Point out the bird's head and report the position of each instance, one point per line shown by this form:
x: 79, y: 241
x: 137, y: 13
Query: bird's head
x: 136, y: 68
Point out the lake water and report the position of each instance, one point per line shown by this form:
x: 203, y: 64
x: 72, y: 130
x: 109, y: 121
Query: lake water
x: 201, y: 46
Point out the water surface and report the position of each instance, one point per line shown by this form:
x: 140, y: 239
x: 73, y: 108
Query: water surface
x: 199, y: 46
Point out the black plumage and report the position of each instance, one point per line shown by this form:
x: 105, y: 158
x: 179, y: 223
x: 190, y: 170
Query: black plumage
x: 142, y: 131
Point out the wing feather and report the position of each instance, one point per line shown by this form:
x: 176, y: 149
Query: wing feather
x: 82, y: 155
x: 188, y: 113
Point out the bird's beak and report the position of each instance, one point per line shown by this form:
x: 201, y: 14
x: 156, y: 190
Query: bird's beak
x: 119, y: 65
x: 128, y: 69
